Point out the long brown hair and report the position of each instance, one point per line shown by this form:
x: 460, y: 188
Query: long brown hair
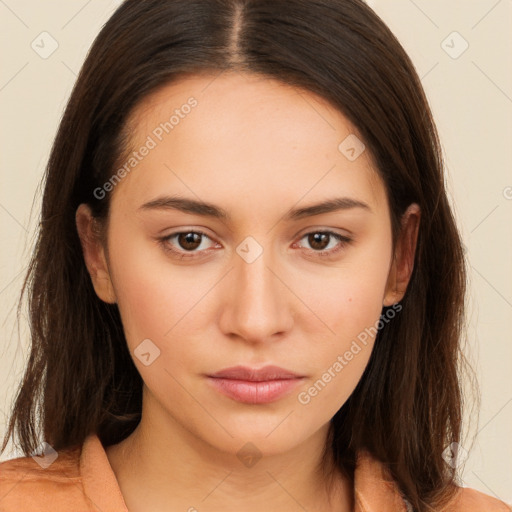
x: 80, y: 377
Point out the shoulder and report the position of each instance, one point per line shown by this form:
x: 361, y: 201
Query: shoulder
x: 471, y: 500
x: 375, y: 489
x: 51, y: 482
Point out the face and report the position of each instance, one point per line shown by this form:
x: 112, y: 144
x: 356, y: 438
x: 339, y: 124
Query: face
x: 256, y: 277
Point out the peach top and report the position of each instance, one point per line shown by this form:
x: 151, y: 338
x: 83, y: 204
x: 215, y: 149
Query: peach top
x: 82, y: 480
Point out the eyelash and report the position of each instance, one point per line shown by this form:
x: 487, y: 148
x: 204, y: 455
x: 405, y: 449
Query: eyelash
x: 343, y: 241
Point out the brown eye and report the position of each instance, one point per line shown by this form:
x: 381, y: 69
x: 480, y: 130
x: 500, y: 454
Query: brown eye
x: 187, y: 244
x: 318, y: 241
x: 189, y: 241
x: 325, y: 243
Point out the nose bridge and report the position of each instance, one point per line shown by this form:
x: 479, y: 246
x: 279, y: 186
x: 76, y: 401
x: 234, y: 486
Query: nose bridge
x: 258, y: 307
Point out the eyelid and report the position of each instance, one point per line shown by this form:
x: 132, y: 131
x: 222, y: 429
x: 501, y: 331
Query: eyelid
x: 165, y: 242
x: 343, y: 240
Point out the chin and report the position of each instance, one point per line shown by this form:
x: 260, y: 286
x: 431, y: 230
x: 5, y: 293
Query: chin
x: 266, y: 435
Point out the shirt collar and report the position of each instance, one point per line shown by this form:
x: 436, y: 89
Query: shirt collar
x: 374, y: 489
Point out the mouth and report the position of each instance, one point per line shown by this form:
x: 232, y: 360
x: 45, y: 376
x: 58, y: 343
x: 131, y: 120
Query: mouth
x: 255, y: 386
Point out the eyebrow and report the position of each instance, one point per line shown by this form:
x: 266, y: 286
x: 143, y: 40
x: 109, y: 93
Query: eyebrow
x: 210, y: 210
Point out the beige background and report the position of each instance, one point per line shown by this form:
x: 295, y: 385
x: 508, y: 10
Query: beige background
x: 471, y: 96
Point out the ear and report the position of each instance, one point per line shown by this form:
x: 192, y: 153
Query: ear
x: 403, y: 259
x: 94, y: 254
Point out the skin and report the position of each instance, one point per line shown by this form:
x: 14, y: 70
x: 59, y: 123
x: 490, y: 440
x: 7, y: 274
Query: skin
x: 256, y: 148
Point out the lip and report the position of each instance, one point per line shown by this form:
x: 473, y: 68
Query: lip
x: 255, y: 386
x: 266, y: 373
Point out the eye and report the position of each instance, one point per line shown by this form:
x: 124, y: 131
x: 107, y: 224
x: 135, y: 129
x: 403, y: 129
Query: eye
x: 326, y: 243
x: 190, y: 244
x: 187, y: 244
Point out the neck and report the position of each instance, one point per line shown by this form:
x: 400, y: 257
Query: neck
x: 162, y: 466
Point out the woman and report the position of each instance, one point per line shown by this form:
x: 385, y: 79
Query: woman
x: 237, y: 298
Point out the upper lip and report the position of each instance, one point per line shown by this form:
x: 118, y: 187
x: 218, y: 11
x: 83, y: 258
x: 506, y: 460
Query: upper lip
x: 266, y: 373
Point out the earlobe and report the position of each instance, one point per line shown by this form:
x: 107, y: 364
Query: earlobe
x: 94, y: 255
x: 403, y: 259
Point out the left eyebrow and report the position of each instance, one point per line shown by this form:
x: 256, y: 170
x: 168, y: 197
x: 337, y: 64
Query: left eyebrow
x: 210, y: 210
x: 328, y: 206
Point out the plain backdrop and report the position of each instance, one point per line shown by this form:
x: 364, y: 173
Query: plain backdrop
x: 462, y: 50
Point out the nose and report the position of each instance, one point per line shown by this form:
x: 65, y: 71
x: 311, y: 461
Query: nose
x: 257, y: 304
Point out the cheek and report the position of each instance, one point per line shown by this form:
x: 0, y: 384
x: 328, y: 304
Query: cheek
x: 341, y: 359
x: 145, y: 303
x: 159, y: 302
x: 141, y: 279
x: 348, y: 298
x: 350, y: 304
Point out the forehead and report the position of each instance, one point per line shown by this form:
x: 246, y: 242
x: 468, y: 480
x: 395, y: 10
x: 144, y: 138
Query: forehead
x: 212, y: 134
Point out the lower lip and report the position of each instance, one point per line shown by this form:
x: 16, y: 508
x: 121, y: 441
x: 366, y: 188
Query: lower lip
x: 250, y: 392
